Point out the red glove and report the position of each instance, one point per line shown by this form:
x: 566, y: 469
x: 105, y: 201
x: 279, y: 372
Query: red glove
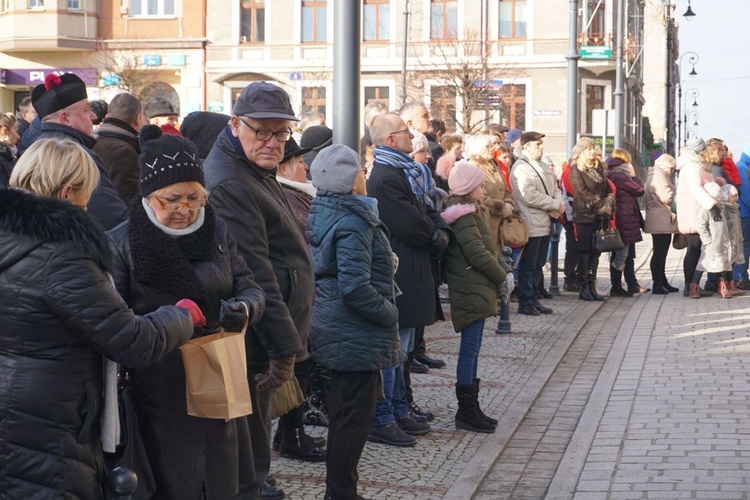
x: 195, y: 312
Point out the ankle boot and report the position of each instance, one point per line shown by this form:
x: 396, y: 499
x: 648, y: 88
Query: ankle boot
x: 467, y: 416
x: 724, y: 291
x: 666, y: 285
x: 485, y: 417
x: 695, y: 291
x: 297, y: 445
x: 617, y: 289
x: 733, y: 288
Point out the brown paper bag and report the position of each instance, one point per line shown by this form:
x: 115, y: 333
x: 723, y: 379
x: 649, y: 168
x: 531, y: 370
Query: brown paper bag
x: 216, y: 376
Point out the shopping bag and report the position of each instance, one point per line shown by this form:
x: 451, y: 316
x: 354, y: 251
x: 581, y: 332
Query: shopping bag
x: 287, y: 397
x: 514, y: 232
x: 216, y: 375
x: 608, y: 239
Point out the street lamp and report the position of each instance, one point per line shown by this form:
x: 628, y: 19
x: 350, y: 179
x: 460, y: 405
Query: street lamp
x: 694, y: 115
x: 694, y: 93
x: 689, y: 14
x: 682, y: 129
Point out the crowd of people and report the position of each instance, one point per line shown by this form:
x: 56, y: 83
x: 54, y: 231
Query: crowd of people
x: 127, y: 233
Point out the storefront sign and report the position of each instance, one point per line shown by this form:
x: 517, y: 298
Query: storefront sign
x: 37, y: 76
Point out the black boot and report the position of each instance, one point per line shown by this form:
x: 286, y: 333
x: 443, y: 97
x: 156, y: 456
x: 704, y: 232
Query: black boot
x: 593, y: 266
x: 467, y: 416
x: 297, y: 445
x: 617, y: 289
x: 486, y: 418
x: 583, y: 277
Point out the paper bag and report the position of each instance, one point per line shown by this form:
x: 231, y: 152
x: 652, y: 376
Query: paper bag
x: 216, y: 376
x: 287, y: 397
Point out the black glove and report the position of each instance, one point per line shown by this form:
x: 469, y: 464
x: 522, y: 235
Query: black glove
x: 440, y: 241
x: 716, y: 213
x: 233, y: 314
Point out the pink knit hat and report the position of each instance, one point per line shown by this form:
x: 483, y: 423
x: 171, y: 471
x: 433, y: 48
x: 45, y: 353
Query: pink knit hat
x: 464, y: 177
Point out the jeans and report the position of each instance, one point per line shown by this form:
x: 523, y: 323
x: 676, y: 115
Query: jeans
x: 351, y: 406
x: 530, y: 268
x: 394, y: 406
x: 514, y: 256
x: 740, y: 270
x: 468, y: 353
x: 617, y: 259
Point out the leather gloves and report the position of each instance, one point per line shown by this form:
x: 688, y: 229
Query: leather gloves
x: 440, y: 241
x: 279, y: 371
x: 196, y: 315
x: 233, y: 314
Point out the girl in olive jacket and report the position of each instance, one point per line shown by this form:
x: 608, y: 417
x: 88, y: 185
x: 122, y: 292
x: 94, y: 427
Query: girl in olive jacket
x: 474, y: 276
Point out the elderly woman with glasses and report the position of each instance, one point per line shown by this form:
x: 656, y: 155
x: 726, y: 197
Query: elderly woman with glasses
x: 172, y: 245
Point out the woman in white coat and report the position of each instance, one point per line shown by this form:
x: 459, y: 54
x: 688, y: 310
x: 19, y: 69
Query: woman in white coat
x: 660, y: 221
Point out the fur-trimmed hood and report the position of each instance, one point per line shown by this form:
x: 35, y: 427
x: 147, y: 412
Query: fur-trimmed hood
x: 455, y: 212
x: 305, y: 187
x: 28, y: 221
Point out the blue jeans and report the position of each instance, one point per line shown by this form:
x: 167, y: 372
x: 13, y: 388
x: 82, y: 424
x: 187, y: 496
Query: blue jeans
x: 514, y: 256
x: 740, y: 270
x: 468, y: 353
x: 394, y: 406
x: 530, y: 268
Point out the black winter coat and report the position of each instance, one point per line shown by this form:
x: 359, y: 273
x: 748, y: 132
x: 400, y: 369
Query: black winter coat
x: 251, y: 202
x: 118, y: 148
x: 354, y: 325
x: 185, y: 452
x: 7, y: 161
x: 411, y: 225
x: 61, y: 315
x: 105, y: 206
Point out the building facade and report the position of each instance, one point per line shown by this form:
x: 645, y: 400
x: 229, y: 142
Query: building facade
x: 471, y: 61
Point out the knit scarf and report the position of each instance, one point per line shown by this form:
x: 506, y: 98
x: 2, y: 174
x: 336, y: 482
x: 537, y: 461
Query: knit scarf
x: 417, y: 174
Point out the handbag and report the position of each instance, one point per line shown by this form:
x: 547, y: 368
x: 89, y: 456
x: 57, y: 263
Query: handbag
x: 513, y: 232
x: 287, y: 397
x: 131, y: 452
x: 608, y: 239
x: 216, y: 383
x: 679, y: 241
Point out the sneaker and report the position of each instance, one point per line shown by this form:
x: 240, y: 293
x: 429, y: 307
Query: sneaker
x: 411, y: 427
x: 390, y: 434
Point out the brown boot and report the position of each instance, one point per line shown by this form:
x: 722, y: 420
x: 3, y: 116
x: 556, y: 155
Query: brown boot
x: 724, y: 290
x: 695, y: 291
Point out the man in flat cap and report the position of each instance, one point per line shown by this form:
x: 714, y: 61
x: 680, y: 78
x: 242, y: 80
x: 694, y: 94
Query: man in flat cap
x: 539, y: 203
x: 63, y: 105
x: 240, y: 175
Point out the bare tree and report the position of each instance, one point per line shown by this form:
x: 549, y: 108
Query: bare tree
x: 466, y: 77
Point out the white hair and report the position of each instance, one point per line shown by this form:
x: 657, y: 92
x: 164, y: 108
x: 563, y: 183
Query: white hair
x: 478, y: 146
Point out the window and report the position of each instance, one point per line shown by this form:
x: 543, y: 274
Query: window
x: 594, y: 18
x: 376, y: 20
x: 381, y: 94
x: 35, y: 4
x: 74, y: 4
x: 512, y: 18
x: 5, y: 6
x: 252, y: 21
x: 443, y: 19
x: 513, y: 108
x: 443, y: 105
x: 314, y: 21
x: 152, y: 7
x: 594, y: 100
x: 313, y: 99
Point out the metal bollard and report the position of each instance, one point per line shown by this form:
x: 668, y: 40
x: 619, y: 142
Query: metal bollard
x: 121, y: 483
x: 503, y: 324
x: 554, y: 287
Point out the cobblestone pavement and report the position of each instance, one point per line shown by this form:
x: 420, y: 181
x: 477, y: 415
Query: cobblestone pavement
x: 644, y: 397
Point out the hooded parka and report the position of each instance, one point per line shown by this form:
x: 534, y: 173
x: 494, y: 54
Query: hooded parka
x: 691, y: 196
x: 61, y: 316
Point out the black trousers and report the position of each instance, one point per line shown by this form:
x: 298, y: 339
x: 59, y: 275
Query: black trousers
x: 692, y: 255
x: 661, y: 243
x: 260, y: 432
x: 571, y: 253
x: 295, y: 418
x: 588, y: 255
x: 351, y: 410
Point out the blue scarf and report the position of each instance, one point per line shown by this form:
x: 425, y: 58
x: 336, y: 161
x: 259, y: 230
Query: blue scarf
x: 417, y: 174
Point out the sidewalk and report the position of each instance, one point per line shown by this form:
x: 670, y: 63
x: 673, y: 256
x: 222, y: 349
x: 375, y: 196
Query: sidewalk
x: 448, y: 463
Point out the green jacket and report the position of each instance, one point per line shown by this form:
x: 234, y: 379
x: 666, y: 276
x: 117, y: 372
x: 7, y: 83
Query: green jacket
x: 474, y: 274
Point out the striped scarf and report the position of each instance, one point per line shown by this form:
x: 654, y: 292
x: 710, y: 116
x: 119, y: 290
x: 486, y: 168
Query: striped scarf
x: 418, y: 174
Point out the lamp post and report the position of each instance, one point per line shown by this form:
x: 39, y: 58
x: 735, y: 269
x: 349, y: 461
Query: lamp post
x: 693, y: 116
x: 689, y: 14
x: 689, y: 93
x: 682, y: 129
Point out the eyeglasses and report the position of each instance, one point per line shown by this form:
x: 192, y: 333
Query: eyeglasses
x: 265, y: 135
x: 176, y: 206
x: 406, y: 130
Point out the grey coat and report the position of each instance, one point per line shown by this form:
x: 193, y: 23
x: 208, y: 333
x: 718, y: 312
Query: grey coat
x: 734, y: 226
x: 536, y: 194
x: 715, y: 242
x: 658, y: 200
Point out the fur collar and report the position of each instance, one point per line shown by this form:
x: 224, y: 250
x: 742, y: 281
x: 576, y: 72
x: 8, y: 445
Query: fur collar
x: 455, y: 212
x: 164, y: 263
x: 305, y: 187
x: 47, y: 219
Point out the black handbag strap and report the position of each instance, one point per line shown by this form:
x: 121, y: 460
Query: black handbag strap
x: 537, y: 173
